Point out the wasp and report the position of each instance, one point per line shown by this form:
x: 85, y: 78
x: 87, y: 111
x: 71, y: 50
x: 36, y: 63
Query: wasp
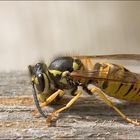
x: 76, y: 72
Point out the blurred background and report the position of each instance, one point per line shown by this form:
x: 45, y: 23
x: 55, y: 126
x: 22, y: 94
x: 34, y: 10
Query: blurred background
x: 32, y: 31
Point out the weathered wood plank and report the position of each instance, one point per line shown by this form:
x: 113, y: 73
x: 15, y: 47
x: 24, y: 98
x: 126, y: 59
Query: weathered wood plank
x: 87, y: 118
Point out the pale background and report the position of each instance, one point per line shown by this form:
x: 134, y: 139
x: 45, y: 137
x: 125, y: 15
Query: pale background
x: 30, y: 31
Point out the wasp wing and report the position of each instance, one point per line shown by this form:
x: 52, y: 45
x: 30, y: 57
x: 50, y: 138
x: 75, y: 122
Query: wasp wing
x: 112, y: 56
x: 123, y: 77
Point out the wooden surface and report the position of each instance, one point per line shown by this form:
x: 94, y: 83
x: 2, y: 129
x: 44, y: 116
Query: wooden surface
x: 87, y: 118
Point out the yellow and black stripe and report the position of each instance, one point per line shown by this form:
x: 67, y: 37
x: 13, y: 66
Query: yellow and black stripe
x: 119, y: 90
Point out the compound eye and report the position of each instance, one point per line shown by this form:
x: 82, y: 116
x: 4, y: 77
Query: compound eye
x: 40, y: 82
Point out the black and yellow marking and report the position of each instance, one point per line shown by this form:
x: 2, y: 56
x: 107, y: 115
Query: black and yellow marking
x: 65, y: 64
x: 117, y: 89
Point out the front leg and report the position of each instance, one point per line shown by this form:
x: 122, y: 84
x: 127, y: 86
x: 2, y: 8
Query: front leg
x: 59, y: 92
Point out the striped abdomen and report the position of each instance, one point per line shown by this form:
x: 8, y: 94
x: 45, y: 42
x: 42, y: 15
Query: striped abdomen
x: 120, y: 90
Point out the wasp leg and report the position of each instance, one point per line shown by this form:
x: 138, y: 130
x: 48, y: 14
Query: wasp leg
x: 109, y: 103
x: 55, y: 113
x: 87, y: 63
x: 49, y: 100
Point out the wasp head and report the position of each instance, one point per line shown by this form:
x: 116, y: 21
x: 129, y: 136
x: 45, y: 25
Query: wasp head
x: 39, y: 76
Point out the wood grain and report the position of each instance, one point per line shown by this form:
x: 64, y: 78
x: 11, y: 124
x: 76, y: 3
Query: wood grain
x: 88, y: 118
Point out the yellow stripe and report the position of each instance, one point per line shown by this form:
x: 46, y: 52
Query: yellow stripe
x: 36, y: 81
x: 103, y: 72
x: 55, y: 72
x: 46, y: 81
x: 112, y: 88
x: 123, y: 90
x: 33, y: 78
x: 75, y: 66
x: 137, y: 97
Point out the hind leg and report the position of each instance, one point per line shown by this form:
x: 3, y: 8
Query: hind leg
x: 109, y: 103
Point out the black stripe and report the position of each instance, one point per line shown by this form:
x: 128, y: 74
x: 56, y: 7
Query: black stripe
x: 131, y: 87
x: 97, y: 68
x: 106, y: 82
x: 111, y: 72
x: 138, y: 92
x: 116, y: 69
x: 119, y: 88
x: 126, y: 70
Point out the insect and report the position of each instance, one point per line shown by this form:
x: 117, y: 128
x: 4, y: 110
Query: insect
x: 69, y: 73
